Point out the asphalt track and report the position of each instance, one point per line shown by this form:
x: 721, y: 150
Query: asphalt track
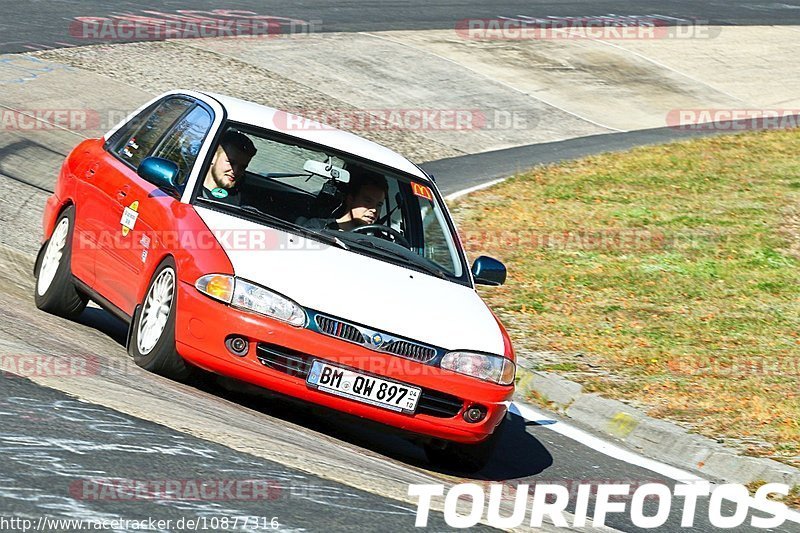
x: 457, y: 174
x: 40, y: 24
x: 58, y: 452
x: 50, y: 440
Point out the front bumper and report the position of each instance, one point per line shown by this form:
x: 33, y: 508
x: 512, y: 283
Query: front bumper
x: 203, y: 325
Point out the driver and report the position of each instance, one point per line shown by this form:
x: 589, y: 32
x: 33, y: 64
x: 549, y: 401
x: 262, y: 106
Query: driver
x: 227, y: 169
x: 362, y: 205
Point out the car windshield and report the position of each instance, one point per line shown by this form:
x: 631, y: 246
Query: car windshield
x: 333, y: 197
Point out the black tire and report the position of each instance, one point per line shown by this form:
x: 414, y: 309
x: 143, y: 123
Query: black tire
x: 466, y: 458
x: 59, y: 295
x: 161, y: 357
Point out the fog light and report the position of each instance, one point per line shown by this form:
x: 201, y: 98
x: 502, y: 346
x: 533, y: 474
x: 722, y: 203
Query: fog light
x: 237, y: 345
x: 474, y: 414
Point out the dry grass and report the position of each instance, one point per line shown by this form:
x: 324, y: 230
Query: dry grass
x: 673, y: 270
x: 792, y: 499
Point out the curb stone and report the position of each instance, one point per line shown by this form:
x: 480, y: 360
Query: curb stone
x: 657, y: 439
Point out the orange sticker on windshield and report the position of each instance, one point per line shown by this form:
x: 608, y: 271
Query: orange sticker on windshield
x: 422, y: 191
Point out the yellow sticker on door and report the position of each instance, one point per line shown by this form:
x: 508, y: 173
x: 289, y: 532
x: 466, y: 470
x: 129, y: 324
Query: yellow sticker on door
x: 129, y: 216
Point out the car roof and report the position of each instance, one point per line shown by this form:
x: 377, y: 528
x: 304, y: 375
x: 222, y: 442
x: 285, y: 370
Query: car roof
x: 265, y: 117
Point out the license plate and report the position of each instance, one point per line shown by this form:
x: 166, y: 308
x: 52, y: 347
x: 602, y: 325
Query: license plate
x: 363, y: 388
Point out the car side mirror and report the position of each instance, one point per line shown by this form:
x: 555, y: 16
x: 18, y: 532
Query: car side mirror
x: 161, y: 172
x: 488, y: 271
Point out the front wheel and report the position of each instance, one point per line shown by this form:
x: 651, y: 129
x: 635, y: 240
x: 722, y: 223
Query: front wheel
x: 55, y: 292
x: 152, y: 343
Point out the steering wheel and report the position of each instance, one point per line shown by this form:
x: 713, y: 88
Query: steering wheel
x: 378, y: 229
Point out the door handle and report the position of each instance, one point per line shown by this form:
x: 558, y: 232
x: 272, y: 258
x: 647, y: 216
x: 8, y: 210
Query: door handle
x: 123, y: 192
x: 90, y: 172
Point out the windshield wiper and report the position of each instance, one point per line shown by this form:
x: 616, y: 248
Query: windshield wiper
x: 397, y: 256
x: 272, y: 220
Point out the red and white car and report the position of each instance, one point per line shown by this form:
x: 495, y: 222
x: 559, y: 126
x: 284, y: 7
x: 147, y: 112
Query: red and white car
x: 382, y: 322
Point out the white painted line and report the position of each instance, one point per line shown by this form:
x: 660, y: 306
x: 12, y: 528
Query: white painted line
x: 458, y: 194
x: 617, y: 452
x: 606, y: 448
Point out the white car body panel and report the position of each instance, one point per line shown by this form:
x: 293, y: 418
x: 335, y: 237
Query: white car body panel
x: 358, y: 288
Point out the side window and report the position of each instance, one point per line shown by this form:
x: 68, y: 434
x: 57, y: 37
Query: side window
x: 138, y: 144
x: 183, y: 143
x: 125, y: 131
x: 438, y: 246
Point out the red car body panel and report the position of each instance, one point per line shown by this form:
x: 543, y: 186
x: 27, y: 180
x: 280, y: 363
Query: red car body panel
x: 203, y: 324
x: 110, y: 262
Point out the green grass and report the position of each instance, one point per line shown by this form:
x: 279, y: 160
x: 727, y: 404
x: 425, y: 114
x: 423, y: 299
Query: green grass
x: 673, y: 267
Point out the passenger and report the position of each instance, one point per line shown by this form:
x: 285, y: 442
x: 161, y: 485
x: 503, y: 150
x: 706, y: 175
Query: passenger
x: 223, y: 180
x: 362, y: 204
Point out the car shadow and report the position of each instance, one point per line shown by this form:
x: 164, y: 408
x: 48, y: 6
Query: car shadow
x: 518, y: 454
x: 104, y: 322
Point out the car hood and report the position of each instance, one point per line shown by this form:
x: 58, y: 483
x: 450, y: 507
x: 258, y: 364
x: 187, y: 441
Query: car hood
x: 357, y: 288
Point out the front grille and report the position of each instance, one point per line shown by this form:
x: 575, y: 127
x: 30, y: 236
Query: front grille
x: 336, y: 328
x: 374, y: 340
x: 439, y: 404
x: 290, y: 362
x: 409, y: 350
x: 298, y: 364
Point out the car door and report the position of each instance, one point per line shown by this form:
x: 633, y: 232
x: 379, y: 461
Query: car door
x: 153, y: 207
x: 118, y: 200
x: 97, y: 181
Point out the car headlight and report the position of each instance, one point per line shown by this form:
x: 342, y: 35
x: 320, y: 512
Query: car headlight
x: 218, y: 286
x: 487, y: 367
x: 246, y: 295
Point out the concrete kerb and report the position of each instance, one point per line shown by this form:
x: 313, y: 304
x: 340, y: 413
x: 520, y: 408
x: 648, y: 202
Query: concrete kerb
x: 651, y: 437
